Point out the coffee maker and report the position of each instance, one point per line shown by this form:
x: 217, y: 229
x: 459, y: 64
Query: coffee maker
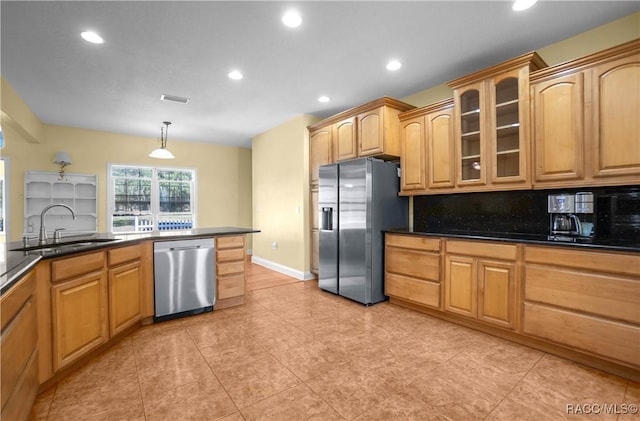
x: 571, y: 217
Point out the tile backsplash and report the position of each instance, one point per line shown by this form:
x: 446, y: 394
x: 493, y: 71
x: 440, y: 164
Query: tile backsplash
x: 525, y: 212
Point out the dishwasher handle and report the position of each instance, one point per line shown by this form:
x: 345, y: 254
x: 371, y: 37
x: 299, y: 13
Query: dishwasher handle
x: 184, y: 248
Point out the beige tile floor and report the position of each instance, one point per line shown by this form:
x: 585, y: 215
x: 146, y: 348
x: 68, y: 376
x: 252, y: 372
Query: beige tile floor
x: 294, y: 352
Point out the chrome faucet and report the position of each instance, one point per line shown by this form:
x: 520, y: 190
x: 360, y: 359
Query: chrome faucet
x: 42, y: 239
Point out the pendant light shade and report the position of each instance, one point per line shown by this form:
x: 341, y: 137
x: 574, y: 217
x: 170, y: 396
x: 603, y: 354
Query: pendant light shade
x: 162, y: 152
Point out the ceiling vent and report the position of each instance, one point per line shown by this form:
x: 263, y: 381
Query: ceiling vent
x: 174, y: 98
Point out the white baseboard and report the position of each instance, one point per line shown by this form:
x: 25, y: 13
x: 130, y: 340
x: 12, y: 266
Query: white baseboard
x: 303, y: 276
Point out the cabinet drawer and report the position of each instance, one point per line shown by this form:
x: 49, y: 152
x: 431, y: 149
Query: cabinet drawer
x: 124, y: 254
x: 227, y: 255
x: 19, y: 340
x: 604, y: 337
x: 235, y: 241
x: 230, y: 268
x: 596, y: 260
x: 483, y: 249
x: 13, y: 299
x: 230, y: 286
x: 417, y: 264
x: 74, y: 266
x: 422, y: 292
x: 600, y: 294
x: 413, y: 242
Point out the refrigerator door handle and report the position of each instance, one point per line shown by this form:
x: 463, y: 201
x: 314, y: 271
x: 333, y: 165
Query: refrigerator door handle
x: 327, y: 219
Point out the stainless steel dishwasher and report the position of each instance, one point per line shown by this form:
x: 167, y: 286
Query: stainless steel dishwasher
x: 184, y: 277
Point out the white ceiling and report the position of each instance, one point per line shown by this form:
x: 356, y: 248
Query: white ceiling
x: 187, y: 48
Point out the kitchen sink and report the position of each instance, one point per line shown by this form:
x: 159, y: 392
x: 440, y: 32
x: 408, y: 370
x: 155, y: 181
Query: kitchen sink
x: 66, y: 245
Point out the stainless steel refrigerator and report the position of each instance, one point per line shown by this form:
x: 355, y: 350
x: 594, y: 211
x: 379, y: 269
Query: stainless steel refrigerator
x: 357, y: 200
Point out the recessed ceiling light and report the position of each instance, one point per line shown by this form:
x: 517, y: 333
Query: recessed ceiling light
x: 292, y: 19
x: 235, y: 75
x: 92, y: 37
x: 324, y: 98
x: 519, y: 5
x: 394, y: 65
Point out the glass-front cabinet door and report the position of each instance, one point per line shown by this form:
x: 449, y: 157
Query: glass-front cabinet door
x: 471, y: 151
x: 507, y: 154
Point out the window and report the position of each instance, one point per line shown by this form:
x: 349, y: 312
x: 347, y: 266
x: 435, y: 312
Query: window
x: 146, y: 199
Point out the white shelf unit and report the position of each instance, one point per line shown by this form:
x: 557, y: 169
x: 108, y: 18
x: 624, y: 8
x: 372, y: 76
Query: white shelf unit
x: 79, y: 191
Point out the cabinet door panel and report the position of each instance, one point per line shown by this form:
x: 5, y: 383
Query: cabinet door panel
x: 412, y: 156
x: 460, y: 286
x: 320, y: 152
x: 79, y: 317
x: 345, y: 139
x: 616, y: 106
x: 559, y: 128
x: 508, y: 95
x: 496, y: 295
x: 441, y: 149
x: 471, y: 129
x: 124, y: 297
x: 370, y: 133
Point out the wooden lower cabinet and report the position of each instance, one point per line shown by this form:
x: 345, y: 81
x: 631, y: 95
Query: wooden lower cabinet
x: 19, y: 350
x: 79, y: 307
x: 587, y: 300
x: 230, y: 271
x: 478, y: 285
x: 126, y: 277
x: 124, y: 296
x: 412, y: 269
x: 461, y: 286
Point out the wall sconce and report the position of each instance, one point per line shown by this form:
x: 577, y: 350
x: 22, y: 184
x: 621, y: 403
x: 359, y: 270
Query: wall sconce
x: 162, y: 152
x: 63, y: 159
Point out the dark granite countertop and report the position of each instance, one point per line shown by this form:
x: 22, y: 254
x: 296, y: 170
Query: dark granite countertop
x: 597, y: 243
x: 14, y: 263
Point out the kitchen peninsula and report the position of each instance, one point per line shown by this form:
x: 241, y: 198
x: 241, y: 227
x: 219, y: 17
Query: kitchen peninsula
x: 63, y: 303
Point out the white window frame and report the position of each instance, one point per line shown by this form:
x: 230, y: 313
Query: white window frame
x: 155, y: 196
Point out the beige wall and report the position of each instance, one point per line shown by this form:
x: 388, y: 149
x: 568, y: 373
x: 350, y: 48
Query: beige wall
x: 589, y: 42
x: 281, y: 196
x: 223, y: 173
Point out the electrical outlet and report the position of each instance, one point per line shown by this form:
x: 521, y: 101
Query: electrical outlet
x: 274, y: 245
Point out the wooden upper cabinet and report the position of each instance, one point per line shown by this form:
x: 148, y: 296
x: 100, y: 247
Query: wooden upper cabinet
x: 558, y: 129
x: 412, y: 154
x: 427, y: 149
x: 440, y: 148
x: 371, y: 133
x: 509, y: 122
x: 616, y: 118
x: 320, y: 151
x: 371, y: 129
x: 492, y: 125
x: 586, y: 130
x: 344, y: 133
x: 470, y: 125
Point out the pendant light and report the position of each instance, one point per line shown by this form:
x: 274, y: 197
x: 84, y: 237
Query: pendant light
x: 162, y: 152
